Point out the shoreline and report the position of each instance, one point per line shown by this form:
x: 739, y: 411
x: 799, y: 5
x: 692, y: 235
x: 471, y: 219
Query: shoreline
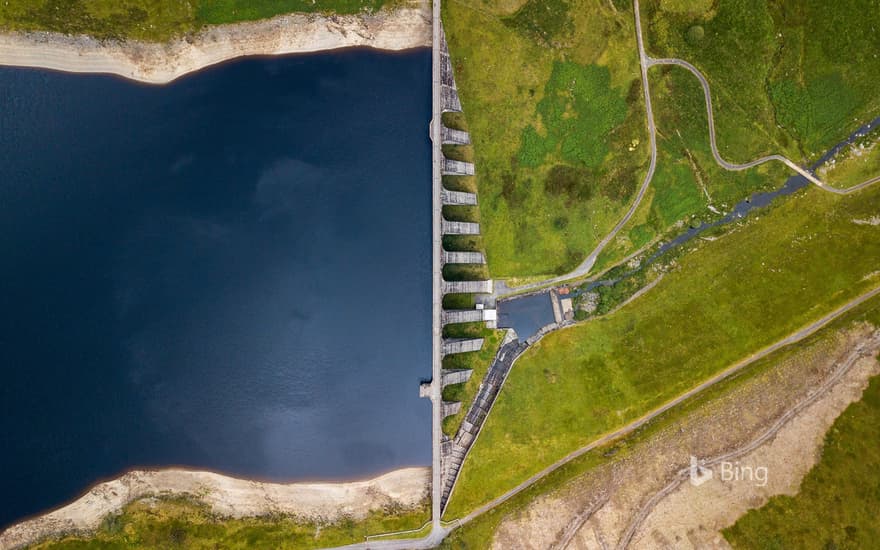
x: 161, y: 63
x: 227, y: 496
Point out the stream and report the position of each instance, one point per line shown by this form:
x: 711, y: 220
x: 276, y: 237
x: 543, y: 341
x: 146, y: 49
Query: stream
x: 526, y: 314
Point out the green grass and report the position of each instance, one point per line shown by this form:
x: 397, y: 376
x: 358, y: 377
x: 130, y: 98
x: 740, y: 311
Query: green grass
x: 156, y: 20
x: 724, y: 300
x: 479, y: 361
x: 552, y: 122
x: 736, y: 54
x: 464, y: 153
x: 774, y: 90
x: 838, y: 501
x: 230, y: 11
x: 458, y: 301
x: 577, y: 113
x: 461, y: 213
x: 823, y: 84
x: 786, y: 76
x: 460, y: 183
x: 687, y: 179
x: 558, y: 173
x: 856, y: 163
x: 105, y: 19
x: 465, y: 272
x: 463, y: 243
x: 166, y: 523
x: 546, y: 21
x: 478, y: 534
x: 454, y: 120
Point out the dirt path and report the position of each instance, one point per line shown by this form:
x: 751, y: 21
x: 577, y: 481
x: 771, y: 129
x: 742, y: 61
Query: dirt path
x: 817, y: 383
x: 645, y: 63
x: 229, y: 497
x: 706, y: 384
x: 788, y: 448
x: 584, y: 268
x: 770, y: 158
x: 161, y: 63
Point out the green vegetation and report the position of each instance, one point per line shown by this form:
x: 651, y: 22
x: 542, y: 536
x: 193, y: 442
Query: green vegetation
x: 460, y: 183
x: 454, y: 120
x: 807, y: 66
x: 465, y: 272
x: 155, y: 20
x: 736, y: 53
x: 856, y: 163
x: 478, y: 534
x: 687, y: 180
x: 461, y: 213
x: 463, y: 243
x: 212, y: 12
x: 105, y: 19
x: 578, y: 111
x: 458, y: 301
x: 723, y: 300
x: 463, y: 153
x: 557, y: 173
x: 163, y: 523
x: 609, y: 298
x: 838, y: 500
x: 557, y: 123
x: 479, y: 361
x: 773, y: 91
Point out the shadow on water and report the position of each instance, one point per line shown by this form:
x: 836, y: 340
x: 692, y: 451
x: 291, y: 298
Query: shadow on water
x: 527, y: 314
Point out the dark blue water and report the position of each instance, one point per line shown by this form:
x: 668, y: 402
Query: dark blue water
x: 231, y: 272
x: 526, y: 315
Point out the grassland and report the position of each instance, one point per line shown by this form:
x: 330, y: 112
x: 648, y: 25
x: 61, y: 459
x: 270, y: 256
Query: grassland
x: 786, y: 76
x: 478, y: 533
x: 160, y: 524
x: 156, y: 20
x: 775, y: 90
x: 722, y: 301
x: 838, y: 501
x: 856, y: 163
x: 557, y: 124
x: 687, y: 180
x: 789, y: 77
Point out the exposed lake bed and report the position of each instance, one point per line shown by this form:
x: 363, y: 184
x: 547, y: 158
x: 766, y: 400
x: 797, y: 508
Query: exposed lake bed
x: 229, y: 273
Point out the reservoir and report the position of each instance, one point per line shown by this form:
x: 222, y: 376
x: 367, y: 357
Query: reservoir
x: 231, y: 272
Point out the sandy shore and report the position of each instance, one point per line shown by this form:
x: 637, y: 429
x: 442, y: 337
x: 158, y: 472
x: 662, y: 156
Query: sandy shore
x: 399, y: 29
x: 227, y: 496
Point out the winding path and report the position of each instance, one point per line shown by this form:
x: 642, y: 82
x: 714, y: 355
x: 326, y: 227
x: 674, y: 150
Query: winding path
x: 738, y: 167
x: 645, y: 63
